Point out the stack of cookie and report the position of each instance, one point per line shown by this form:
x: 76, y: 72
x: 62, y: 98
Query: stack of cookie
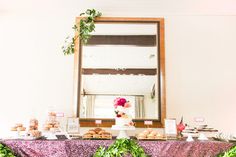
x: 33, y: 129
x: 33, y: 124
x: 97, y: 133
x: 51, y: 124
x: 18, y: 127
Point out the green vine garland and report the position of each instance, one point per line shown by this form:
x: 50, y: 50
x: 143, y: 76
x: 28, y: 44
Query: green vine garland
x: 5, y: 151
x: 87, y: 26
x: 121, y: 147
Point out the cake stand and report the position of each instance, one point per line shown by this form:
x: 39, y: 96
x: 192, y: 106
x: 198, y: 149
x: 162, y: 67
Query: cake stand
x: 122, y: 129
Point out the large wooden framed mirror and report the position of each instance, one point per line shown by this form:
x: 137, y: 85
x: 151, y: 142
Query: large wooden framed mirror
x: 125, y: 57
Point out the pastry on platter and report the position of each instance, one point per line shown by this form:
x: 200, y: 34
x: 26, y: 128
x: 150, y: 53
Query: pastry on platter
x: 97, y: 130
x: 106, y: 135
x: 142, y: 135
x: 87, y: 135
x: 96, y: 136
x: 21, y: 128
x: 101, y: 132
x: 148, y: 134
x: 14, y: 128
x: 33, y: 124
x: 18, y: 127
x: 97, y: 133
x: 154, y: 133
x: 52, y: 124
x: 92, y: 132
x: 149, y: 130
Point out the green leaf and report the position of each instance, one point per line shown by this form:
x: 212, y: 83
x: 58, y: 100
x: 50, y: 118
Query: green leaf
x: 5, y: 151
x: 86, y: 27
x: 81, y: 14
x: 120, y: 148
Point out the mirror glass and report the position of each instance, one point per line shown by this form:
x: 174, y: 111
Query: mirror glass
x: 120, y: 60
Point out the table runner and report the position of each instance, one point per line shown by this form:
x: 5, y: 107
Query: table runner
x: 86, y: 148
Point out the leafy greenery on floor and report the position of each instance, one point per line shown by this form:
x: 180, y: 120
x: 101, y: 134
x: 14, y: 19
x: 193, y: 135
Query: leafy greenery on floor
x: 121, y: 147
x: 5, y: 151
x: 229, y: 153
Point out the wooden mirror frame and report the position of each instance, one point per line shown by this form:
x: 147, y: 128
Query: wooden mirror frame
x: 90, y: 122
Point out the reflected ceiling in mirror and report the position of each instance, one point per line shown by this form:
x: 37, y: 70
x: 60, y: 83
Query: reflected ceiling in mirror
x: 120, y: 60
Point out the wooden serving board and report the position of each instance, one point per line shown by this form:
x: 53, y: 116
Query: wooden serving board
x: 153, y: 139
x: 96, y: 138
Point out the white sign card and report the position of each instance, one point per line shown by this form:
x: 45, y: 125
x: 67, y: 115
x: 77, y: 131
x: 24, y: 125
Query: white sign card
x: 199, y: 119
x: 147, y: 122
x: 73, y: 125
x: 170, y: 127
x: 98, y: 121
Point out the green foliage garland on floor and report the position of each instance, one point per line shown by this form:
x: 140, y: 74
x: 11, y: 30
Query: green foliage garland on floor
x: 5, y: 151
x: 229, y: 153
x: 86, y: 25
x: 120, y: 148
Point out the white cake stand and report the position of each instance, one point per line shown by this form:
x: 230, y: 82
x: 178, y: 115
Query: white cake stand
x: 122, y: 129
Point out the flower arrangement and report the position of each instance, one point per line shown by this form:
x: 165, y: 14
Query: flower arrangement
x: 120, y: 104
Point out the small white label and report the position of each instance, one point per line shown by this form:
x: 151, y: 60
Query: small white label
x: 98, y: 121
x: 147, y: 122
x: 60, y: 114
x: 199, y: 119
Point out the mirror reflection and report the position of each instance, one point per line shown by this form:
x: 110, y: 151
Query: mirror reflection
x: 120, y: 60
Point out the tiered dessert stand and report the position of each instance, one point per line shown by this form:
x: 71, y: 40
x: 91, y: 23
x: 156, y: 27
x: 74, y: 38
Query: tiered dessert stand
x: 122, y: 131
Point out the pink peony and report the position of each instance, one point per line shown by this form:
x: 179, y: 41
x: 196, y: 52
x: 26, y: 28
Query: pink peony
x: 115, y: 105
x: 127, y: 105
x: 116, y: 101
x: 121, y: 102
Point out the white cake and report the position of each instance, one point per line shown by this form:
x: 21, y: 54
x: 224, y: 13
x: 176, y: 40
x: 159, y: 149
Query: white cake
x: 123, y: 121
x: 123, y: 118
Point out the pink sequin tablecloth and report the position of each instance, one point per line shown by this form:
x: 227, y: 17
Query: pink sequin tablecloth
x: 86, y: 148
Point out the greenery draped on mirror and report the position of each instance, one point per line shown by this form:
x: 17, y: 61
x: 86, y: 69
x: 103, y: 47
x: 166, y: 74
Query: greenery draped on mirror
x: 123, y: 58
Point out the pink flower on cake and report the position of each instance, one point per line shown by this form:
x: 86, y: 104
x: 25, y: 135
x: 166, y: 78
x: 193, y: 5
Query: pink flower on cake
x: 127, y: 105
x: 131, y: 123
x: 119, y: 102
x: 115, y: 105
x: 118, y: 115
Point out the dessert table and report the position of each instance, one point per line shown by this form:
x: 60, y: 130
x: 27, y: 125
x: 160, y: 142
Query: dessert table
x: 86, y: 148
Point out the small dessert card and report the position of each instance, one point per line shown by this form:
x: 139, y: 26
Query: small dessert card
x: 73, y: 125
x: 147, y: 122
x: 170, y: 127
x: 98, y: 122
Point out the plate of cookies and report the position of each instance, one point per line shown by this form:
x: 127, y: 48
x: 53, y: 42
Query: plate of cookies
x: 18, y: 127
x: 150, y: 135
x: 97, y: 134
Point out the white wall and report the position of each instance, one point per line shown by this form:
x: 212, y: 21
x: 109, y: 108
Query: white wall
x: 200, y: 54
